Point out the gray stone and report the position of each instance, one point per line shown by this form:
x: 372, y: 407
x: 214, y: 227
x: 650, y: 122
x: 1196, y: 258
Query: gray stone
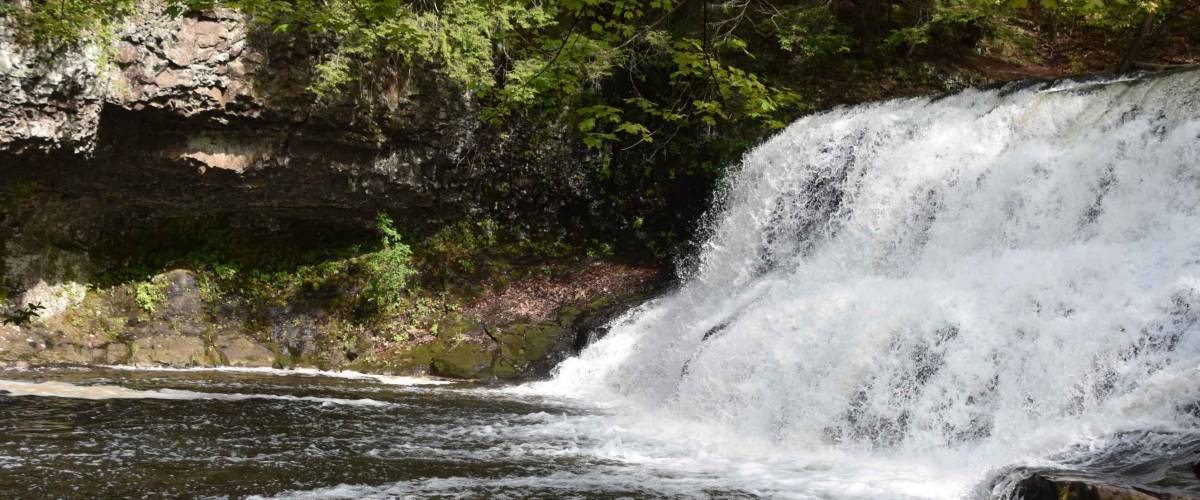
x: 182, y: 291
x: 168, y: 350
x: 238, y: 350
x: 115, y: 353
x: 202, y: 114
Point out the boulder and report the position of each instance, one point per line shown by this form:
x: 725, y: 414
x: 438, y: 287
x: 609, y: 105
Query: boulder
x: 1055, y: 487
x: 169, y: 350
x: 237, y: 350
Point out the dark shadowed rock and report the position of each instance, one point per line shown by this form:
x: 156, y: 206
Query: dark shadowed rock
x: 1053, y: 487
x: 203, y: 114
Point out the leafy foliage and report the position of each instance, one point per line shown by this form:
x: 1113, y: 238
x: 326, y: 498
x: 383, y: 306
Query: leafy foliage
x: 523, y: 58
x: 946, y: 20
x: 388, y: 269
x: 22, y: 316
x: 663, y: 94
x: 809, y: 30
x: 149, y: 294
x: 682, y: 64
x: 65, y: 22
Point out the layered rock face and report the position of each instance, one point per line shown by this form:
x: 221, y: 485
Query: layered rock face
x: 205, y: 113
x: 205, y: 117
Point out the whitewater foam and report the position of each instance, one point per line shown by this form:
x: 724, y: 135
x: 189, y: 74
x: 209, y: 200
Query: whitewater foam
x: 959, y: 283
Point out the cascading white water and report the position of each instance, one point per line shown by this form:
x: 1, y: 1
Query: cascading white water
x: 984, y: 277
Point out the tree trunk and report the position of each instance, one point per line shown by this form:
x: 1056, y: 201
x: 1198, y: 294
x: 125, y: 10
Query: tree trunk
x: 1136, y: 44
x: 869, y: 24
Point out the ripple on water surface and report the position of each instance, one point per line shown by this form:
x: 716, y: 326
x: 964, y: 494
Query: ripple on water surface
x: 76, y: 433
x: 108, y: 432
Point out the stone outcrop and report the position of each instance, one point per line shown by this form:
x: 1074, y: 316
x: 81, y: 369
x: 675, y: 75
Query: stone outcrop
x: 1065, y: 487
x: 206, y: 117
x: 182, y: 327
x: 205, y: 114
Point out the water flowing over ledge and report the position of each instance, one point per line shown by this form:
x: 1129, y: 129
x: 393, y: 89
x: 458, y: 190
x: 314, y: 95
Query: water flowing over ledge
x: 961, y: 282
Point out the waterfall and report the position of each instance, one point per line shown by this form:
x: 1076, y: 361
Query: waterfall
x: 986, y: 276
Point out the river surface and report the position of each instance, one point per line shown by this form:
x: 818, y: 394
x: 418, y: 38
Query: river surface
x: 101, y: 432
x: 109, y: 432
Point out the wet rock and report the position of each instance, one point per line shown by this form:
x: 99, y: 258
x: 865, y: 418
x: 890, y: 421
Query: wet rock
x: 237, y: 350
x: 169, y: 350
x: 15, y: 347
x: 1051, y: 487
x: 465, y: 358
x: 55, y: 349
x: 522, y: 346
x: 183, y: 303
x: 116, y: 353
x: 581, y: 325
x: 525, y: 349
x: 298, y: 337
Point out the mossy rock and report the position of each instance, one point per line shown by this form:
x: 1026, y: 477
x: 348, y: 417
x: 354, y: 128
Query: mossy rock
x: 523, y: 344
x: 455, y: 326
x: 417, y: 354
x: 464, y: 359
x: 169, y: 350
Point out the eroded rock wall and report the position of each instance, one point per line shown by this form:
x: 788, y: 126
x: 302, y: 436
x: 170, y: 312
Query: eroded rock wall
x: 205, y: 112
x: 206, y: 117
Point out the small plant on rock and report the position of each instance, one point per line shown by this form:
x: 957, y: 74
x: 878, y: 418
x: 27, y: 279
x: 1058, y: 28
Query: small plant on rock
x: 22, y: 316
x: 148, y: 295
x: 388, y: 269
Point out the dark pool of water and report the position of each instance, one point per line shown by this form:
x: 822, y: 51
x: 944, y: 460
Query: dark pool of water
x: 293, y: 436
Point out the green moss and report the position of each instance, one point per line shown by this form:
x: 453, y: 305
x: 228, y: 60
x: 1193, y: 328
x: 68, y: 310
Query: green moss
x: 16, y: 195
x: 523, y: 344
x: 568, y: 314
x: 463, y: 359
x: 505, y: 369
x: 419, y: 354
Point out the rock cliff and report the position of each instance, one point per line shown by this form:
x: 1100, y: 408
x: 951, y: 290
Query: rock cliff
x: 206, y: 113
x: 205, y: 121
